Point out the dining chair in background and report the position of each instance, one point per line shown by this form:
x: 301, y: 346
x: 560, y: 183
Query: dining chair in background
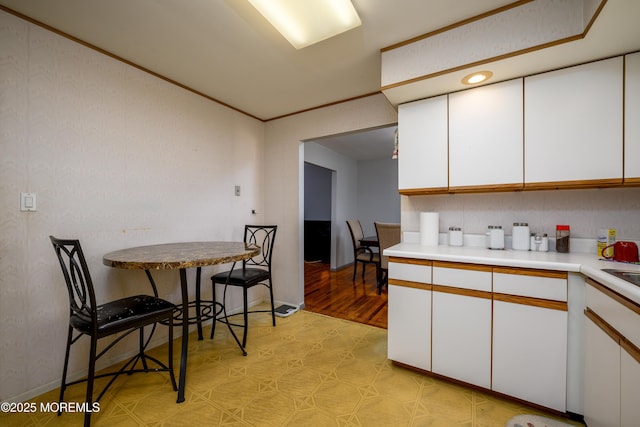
x: 122, y: 317
x: 361, y: 254
x: 254, y: 271
x: 388, y: 235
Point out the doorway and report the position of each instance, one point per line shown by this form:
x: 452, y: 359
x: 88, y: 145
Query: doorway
x: 362, y: 177
x: 317, y: 213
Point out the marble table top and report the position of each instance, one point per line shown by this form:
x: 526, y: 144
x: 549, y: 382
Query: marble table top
x: 170, y: 256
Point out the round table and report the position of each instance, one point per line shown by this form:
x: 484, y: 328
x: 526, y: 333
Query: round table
x: 180, y: 256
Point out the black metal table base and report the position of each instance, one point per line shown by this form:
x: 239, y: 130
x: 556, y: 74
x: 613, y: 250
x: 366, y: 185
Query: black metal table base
x: 204, y: 310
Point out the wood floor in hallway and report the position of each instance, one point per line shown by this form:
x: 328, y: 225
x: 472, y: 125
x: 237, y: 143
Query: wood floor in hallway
x: 334, y: 293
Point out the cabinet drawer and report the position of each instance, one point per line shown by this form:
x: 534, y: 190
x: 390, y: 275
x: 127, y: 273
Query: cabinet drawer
x: 410, y: 272
x: 620, y: 316
x: 464, y: 276
x: 531, y: 284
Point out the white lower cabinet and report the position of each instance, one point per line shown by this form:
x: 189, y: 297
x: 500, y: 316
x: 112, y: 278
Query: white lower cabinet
x: 629, y: 388
x: 409, y: 313
x: 461, y: 338
x: 461, y: 329
x: 530, y: 353
x: 602, y: 378
x: 612, y: 359
x: 501, y: 329
x: 409, y: 326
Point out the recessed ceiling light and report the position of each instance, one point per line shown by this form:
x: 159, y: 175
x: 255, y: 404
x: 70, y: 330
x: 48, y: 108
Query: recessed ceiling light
x: 477, y: 77
x: 305, y: 22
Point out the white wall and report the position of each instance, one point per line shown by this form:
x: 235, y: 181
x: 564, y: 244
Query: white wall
x: 117, y: 158
x: 284, y: 172
x: 378, y: 197
x: 585, y: 211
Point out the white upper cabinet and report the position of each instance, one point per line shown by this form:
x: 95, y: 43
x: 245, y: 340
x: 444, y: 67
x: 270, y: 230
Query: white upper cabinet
x: 573, y: 125
x: 486, y: 131
x: 632, y: 118
x: 422, y: 148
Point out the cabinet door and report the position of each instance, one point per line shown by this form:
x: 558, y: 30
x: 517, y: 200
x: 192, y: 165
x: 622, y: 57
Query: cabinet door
x: 530, y: 353
x: 631, y: 122
x: 573, y: 125
x: 461, y: 338
x: 630, y: 387
x: 422, y: 147
x: 602, y: 378
x: 485, y: 136
x: 409, y: 326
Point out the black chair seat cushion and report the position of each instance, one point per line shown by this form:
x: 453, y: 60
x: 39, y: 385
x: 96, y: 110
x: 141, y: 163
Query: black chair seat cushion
x: 242, y: 277
x: 125, y: 313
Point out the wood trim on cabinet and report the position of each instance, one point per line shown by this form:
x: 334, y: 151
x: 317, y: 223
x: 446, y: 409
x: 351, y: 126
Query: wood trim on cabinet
x: 531, y: 186
x: 614, y: 295
x: 534, y: 302
x: 423, y: 191
x: 630, y: 348
x: 410, y: 284
x: 463, y: 266
x: 613, y: 333
x: 632, y: 182
x: 553, y: 274
x: 461, y: 291
x: 600, y: 322
x: 487, y: 188
x: 416, y: 261
x: 568, y: 185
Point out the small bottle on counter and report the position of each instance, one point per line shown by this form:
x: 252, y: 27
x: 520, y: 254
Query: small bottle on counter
x: 562, y: 238
x: 455, y: 236
x: 539, y: 242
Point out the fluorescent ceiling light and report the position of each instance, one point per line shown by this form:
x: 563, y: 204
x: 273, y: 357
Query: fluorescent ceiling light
x: 305, y: 22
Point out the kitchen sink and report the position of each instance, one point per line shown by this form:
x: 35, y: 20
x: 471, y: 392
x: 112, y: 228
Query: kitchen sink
x: 632, y: 277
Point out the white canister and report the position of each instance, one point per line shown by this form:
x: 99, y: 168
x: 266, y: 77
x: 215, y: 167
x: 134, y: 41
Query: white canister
x: 455, y: 236
x: 495, y: 237
x: 520, y: 236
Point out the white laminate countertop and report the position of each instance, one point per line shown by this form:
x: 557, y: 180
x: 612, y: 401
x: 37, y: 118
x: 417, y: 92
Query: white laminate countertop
x: 587, y: 264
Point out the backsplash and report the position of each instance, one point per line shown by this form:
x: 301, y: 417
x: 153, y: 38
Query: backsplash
x: 585, y: 211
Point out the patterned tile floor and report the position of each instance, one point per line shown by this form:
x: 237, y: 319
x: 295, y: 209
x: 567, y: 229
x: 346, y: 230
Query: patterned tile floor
x: 310, y: 370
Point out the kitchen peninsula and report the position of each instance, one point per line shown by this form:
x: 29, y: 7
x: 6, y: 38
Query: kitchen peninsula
x: 529, y: 325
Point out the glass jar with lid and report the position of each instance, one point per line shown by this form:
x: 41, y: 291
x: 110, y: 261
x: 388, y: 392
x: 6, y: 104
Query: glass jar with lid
x: 562, y: 238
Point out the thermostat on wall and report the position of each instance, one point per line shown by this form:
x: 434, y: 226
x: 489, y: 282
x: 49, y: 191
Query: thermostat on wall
x: 285, y: 310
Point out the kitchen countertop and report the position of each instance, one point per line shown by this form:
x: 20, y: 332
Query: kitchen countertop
x: 584, y: 263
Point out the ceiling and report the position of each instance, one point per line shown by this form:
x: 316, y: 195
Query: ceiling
x: 226, y: 51
x: 371, y: 144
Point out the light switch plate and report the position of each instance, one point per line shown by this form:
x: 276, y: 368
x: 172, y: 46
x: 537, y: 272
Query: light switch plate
x: 237, y: 189
x: 28, y: 202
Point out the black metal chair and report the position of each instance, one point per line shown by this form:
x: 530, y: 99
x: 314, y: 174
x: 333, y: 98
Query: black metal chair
x: 121, y: 317
x: 362, y: 254
x: 254, y: 271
